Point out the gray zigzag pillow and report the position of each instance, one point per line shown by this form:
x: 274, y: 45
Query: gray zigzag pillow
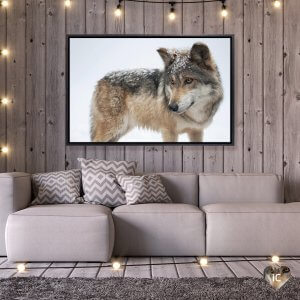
x: 99, y: 181
x: 143, y: 189
x: 61, y: 187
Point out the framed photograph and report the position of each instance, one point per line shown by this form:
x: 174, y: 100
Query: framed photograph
x: 150, y: 89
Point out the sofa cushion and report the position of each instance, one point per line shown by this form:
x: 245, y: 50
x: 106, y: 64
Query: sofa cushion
x: 57, y: 187
x: 254, y: 229
x: 181, y: 187
x: 224, y: 188
x: 64, y: 232
x: 159, y: 230
x: 143, y: 189
x: 99, y: 181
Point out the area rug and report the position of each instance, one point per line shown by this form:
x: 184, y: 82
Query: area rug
x: 134, y: 288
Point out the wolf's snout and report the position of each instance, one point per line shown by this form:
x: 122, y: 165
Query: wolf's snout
x: 173, y: 107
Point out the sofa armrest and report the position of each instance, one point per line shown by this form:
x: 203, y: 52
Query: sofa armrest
x: 15, y: 194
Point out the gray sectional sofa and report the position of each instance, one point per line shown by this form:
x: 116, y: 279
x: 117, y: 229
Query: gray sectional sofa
x: 211, y: 214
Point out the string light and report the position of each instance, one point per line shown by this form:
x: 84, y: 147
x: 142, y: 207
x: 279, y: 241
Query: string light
x: 203, y: 261
x: 224, y: 12
x: 276, y: 3
x: 4, y: 3
x: 4, y: 101
x: 21, y: 268
x: 172, y: 15
x: 275, y: 259
x: 118, y: 11
x: 4, y: 149
x: 4, y: 52
x: 68, y: 3
x: 116, y: 265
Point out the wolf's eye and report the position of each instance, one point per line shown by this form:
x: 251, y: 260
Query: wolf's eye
x: 188, y: 81
x: 172, y: 81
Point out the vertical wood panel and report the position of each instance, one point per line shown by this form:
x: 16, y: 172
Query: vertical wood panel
x: 193, y: 25
x: 273, y: 95
x: 114, y: 25
x: 16, y: 65
x: 35, y: 86
x: 55, y: 85
x: 213, y: 24
x: 234, y: 155
x: 154, y: 24
x: 253, y: 85
x: 292, y: 100
x: 75, y: 24
x: 134, y: 24
x: 173, y: 154
x: 2, y: 88
x: 95, y: 24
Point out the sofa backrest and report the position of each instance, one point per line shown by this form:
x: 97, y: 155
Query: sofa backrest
x: 181, y: 187
x: 221, y: 188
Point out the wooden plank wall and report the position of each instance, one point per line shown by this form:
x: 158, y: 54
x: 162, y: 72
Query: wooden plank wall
x: 267, y: 76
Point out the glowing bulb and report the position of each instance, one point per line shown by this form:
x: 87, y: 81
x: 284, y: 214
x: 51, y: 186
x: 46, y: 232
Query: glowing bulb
x: 4, y: 3
x: 224, y: 12
x: 203, y: 261
x: 277, y: 3
x: 67, y: 3
x: 4, y: 149
x: 116, y: 265
x: 275, y: 259
x: 118, y: 11
x: 21, y: 268
x: 4, y: 52
x: 172, y: 16
x: 4, y: 101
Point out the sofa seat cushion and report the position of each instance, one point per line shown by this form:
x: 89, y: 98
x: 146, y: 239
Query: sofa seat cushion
x: 253, y: 229
x: 61, y: 232
x: 159, y: 229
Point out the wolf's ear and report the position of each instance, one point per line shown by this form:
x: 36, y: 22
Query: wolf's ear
x: 165, y: 55
x: 201, y: 55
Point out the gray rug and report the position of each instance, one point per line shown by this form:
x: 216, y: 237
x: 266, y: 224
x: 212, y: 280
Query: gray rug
x: 132, y: 288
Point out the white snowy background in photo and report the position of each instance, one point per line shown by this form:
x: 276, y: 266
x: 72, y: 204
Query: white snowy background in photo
x: 92, y: 58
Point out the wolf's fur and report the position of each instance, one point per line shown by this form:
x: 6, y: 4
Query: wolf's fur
x: 182, y: 98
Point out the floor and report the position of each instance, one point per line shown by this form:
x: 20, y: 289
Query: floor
x: 151, y: 267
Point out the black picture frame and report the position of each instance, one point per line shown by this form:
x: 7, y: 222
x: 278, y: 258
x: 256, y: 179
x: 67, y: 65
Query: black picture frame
x: 67, y: 78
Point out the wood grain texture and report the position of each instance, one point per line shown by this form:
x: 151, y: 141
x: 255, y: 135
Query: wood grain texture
x: 253, y: 86
x: 55, y: 85
x: 273, y: 84
x: 35, y: 86
x: 234, y: 24
x: 292, y: 101
x: 213, y: 24
x: 193, y: 24
x: 16, y: 88
x: 3, y: 74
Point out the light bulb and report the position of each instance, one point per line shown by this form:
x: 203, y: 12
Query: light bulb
x: 4, y: 3
x: 203, y: 261
x: 4, y: 101
x: 118, y: 11
x: 4, y: 149
x: 67, y: 3
x: 224, y: 12
x: 277, y: 3
x: 116, y: 265
x: 275, y: 259
x: 172, y: 16
x: 4, y: 52
x: 21, y: 268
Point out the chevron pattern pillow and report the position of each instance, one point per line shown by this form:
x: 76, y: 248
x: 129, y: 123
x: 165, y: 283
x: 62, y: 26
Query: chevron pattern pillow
x: 99, y: 181
x: 61, y: 187
x: 143, y: 189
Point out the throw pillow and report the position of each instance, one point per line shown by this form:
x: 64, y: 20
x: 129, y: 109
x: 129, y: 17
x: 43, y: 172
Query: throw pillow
x: 61, y: 187
x: 99, y: 181
x: 143, y: 189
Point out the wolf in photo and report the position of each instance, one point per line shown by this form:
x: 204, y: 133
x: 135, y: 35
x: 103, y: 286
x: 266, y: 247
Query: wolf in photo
x: 181, y: 98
